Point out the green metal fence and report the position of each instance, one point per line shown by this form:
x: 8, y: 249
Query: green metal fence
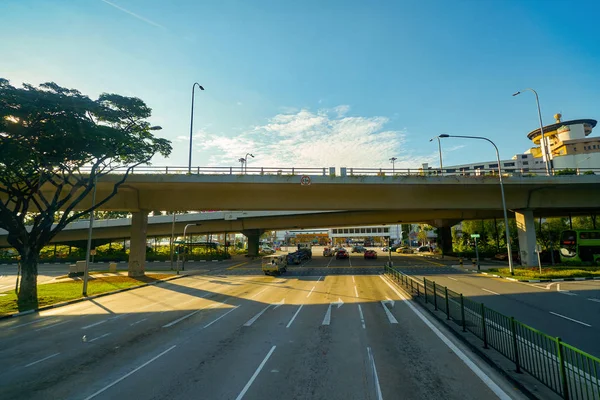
x: 568, y: 371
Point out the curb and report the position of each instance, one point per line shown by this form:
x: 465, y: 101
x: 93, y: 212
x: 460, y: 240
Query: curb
x: 587, y: 278
x: 66, y: 303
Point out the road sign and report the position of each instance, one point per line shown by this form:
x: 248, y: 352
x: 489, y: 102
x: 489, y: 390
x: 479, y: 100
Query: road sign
x: 305, y: 180
x: 93, y: 252
x: 475, y: 235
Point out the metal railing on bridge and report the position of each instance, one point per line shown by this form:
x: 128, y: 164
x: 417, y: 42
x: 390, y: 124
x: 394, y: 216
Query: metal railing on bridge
x: 568, y: 371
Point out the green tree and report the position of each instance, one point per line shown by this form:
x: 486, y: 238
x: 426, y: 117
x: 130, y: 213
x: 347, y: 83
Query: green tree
x: 54, y: 145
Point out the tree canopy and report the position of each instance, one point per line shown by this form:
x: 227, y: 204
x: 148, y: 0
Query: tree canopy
x: 51, y: 136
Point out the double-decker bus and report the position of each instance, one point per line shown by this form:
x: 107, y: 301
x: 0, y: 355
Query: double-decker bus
x: 580, y: 246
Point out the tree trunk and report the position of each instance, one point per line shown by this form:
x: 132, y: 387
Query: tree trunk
x: 27, y: 297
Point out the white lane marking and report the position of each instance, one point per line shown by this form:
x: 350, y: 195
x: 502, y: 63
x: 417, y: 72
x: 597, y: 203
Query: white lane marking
x: 311, y: 290
x: 362, y: 317
x: 260, y: 367
x: 489, y: 291
x: 327, y: 319
x: 190, y: 314
x: 94, y: 324
x: 349, y: 260
x: 99, y: 337
x: 43, y: 359
x: 294, y: 317
x: 353, y: 281
x: 330, y: 260
x: 137, y: 322
x: 452, y: 278
x: 319, y: 278
x: 566, y: 292
x: 464, y: 358
x: 549, y: 285
x: 129, y: 373
x: 596, y: 300
x: 255, y: 295
x: 375, y: 377
x: 570, y: 319
x: 253, y: 319
x: 51, y: 326
x: 390, y: 316
x: 355, y: 291
x: 28, y: 323
x: 212, y: 322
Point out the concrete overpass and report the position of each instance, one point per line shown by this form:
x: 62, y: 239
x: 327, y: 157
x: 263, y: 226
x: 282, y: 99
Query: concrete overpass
x: 439, y: 200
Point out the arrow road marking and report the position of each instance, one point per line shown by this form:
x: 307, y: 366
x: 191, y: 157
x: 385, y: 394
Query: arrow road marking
x: 390, y: 316
x: 390, y: 301
x: 327, y: 319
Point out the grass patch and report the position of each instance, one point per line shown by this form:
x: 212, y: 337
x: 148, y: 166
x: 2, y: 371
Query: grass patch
x: 548, y: 273
x: 53, y: 293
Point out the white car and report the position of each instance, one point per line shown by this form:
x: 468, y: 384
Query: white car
x: 268, y: 250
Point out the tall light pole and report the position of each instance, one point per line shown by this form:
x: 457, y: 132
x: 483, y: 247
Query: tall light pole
x: 192, y: 126
x: 393, y: 161
x: 507, y: 231
x: 172, y: 239
x: 184, y: 239
x: 86, y: 271
x: 242, y: 161
x: 440, y: 150
x: 246, y: 161
x: 543, y: 145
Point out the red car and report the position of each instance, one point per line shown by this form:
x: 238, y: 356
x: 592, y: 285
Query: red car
x: 371, y: 254
x: 341, y: 254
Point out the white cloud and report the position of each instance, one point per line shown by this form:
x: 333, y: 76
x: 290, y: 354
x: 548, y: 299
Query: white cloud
x: 326, y: 138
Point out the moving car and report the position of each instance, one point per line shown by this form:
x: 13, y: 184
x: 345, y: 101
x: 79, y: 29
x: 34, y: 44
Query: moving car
x: 268, y: 250
x: 294, y: 258
x: 404, y: 250
x: 424, y: 249
x: 274, y: 265
x: 342, y: 253
x: 328, y: 252
x: 372, y: 254
x: 358, y: 249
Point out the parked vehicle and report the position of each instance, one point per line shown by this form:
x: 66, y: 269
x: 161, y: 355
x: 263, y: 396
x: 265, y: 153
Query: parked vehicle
x: 294, y: 258
x: 370, y: 254
x: 424, y: 249
x: 274, y: 265
x: 328, y: 252
x: 358, y: 249
x: 341, y: 254
x: 268, y: 250
x: 386, y: 249
x: 404, y: 250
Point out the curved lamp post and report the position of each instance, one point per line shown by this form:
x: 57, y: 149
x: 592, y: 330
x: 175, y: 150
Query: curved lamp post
x: 440, y: 151
x: 393, y: 161
x: 184, y: 239
x: 192, y: 126
x: 543, y: 146
x: 246, y: 161
x: 507, y: 231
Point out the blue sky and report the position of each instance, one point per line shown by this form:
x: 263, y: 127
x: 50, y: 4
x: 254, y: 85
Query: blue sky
x: 319, y: 83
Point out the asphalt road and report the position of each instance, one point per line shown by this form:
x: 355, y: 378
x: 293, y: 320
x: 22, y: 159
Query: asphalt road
x: 569, y: 310
x: 229, y: 336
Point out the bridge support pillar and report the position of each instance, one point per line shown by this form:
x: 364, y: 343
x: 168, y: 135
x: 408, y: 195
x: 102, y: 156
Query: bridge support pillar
x: 137, y: 250
x: 253, y: 236
x: 445, y: 239
x: 527, y: 239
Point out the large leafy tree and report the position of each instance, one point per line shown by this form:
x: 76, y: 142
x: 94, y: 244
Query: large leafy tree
x: 54, y: 144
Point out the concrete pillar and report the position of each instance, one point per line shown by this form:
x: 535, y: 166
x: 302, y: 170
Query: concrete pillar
x: 445, y: 239
x: 527, y: 239
x: 137, y: 243
x: 253, y: 236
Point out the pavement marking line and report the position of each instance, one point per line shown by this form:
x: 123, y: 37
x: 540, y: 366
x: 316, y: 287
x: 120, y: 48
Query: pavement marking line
x: 565, y: 292
x: 327, y: 318
x: 253, y: 319
x: 452, y: 278
x: 570, y: 319
x: 99, y: 337
x: 362, y: 317
x: 596, y: 300
x: 212, y: 322
x: 43, y: 359
x: 319, y: 278
x: 294, y: 317
x: 390, y: 316
x: 460, y: 354
x: 260, y: 367
x: 350, y: 262
x: 375, y: 377
x: 51, y: 326
x: 256, y: 294
x: 330, y: 260
x: 129, y: 373
x: 489, y: 291
x: 28, y: 323
x: 238, y: 265
x: 355, y: 291
x: 353, y: 281
x: 137, y: 322
x: 311, y: 290
x: 94, y: 324
x: 190, y: 314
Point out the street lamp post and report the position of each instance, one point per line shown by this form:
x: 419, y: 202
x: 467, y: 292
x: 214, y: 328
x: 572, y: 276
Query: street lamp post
x: 172, y: 239
x: 246, y: 161
x: 86, y: 271
x: 543, y: 145
x: 507, y: 231
x: 242, y: 161
x: 192, y: 125
x: 184, y: 239
x: 393, y: 161
x: 440, y: 151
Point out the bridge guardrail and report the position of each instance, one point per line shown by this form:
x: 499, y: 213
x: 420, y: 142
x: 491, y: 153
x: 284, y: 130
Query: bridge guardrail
x: 347, y: 171
x: 566, y: 370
